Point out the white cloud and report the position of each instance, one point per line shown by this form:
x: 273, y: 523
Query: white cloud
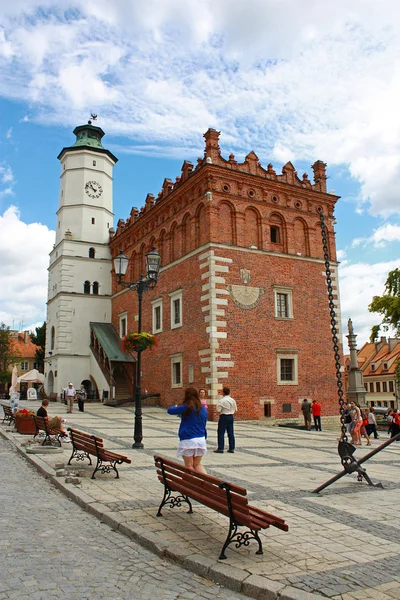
x: 381, y: 237
x: 359, y: 283
x: 293, y: 80
x: 24, y: 249
x: 6, y: 181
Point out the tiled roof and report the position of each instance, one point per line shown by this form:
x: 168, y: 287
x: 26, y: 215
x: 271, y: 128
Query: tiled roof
x: 22, y: 349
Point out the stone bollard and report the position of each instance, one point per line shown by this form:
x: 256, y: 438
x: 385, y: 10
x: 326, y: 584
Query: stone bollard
x: 68, y: 479
x: 59, y: 466
x: 75, y: 480
x: 60, y: 473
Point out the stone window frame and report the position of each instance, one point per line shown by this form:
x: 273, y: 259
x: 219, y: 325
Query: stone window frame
x: 174, y: 296
x: 154, y: 305
x: 287, y: 356
x: 176, y: 359
x: 288, y: 291
x: 121, y: 318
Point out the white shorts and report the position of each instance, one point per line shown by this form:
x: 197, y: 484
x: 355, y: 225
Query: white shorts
x: 193, y: 447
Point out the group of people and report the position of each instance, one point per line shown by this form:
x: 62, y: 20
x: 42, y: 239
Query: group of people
x: 193, y: 426
x: 71, y: 395
x: 313, y: 409
x: 361, y: 423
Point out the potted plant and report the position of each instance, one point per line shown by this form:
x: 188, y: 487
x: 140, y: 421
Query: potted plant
x: 24, y: 421
x: 135, y: 342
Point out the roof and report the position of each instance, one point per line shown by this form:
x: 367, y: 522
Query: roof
x: 21, y: 348
x: 110, y: 342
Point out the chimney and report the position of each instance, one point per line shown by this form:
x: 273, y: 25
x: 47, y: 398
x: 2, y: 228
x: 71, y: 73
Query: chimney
x: 212, y: 146
x: 393, y: 343
x: 319, y: 169
x: 382, y: 342
x: 26, y: 337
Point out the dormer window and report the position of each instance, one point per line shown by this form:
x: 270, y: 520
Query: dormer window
x: 385, y: 366
x: 373, y: 367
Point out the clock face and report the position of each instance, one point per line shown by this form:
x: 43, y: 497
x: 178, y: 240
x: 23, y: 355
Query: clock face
x: 93, y: 189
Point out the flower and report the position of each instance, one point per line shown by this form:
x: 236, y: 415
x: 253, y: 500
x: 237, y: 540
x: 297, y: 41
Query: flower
x: 25, y: 414
x: 134, y: 342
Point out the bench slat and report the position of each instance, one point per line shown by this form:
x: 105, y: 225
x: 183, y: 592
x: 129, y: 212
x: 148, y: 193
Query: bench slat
x: 241, y: 518
x: 167, y: 462
x: 204, y: 487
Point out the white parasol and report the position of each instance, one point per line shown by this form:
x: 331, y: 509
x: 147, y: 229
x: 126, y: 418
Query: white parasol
x: 31, y: 377
x: 14, y: 379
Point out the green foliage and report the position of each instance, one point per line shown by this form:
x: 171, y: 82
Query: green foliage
x: 7, y: 353
x: 374, y: 333
x: 388, y: 305
x: 40, y: 340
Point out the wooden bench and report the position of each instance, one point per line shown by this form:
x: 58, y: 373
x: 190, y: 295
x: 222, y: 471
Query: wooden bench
x: 85, y: 445
x: 229, y: 499
x: 51, y: 434
x: 9, y: 416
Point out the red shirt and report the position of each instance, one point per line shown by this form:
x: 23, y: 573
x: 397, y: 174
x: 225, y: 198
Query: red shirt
x: 316, y: 409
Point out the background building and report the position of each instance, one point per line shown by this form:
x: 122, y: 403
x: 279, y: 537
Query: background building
x: 378, y: 361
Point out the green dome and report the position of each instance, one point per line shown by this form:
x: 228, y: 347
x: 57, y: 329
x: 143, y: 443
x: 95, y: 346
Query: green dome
x: 88, y: 135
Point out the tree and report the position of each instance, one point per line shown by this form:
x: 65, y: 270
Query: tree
x: 388, y: 305
x: 8, y: 354
x: 40, y: 340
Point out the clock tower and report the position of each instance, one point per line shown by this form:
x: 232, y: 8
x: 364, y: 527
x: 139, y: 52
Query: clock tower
x: 79, y: 289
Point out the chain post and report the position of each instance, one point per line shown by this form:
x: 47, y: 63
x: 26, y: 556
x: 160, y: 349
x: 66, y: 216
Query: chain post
x: 332, y: 312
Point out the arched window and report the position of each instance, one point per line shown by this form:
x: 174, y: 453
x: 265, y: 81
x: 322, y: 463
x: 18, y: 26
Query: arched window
x: 96, y: 288
x: 86, y: 287
x: 53, y: 337
x: 92, y: 252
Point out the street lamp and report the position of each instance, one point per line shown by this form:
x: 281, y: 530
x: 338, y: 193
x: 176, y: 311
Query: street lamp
x: 153, y: 264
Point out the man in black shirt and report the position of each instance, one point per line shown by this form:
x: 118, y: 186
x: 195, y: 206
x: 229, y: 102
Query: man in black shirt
x: 54, y: 422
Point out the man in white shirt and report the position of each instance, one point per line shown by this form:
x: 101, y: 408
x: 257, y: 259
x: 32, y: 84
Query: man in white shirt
x: 226, y: 407
x: 70, y: 394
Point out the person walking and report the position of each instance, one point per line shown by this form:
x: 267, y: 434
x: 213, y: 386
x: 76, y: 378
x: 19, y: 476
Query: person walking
x: 70, y: 395
x: 192, y: 430
x: 316, y: 411
x: 395, y: 423
x: 226, y: 406
x: 372, y: 424
x: 203, y: 396
x: 306, y: 410
x: 356, y: 423
x: 82, y: 395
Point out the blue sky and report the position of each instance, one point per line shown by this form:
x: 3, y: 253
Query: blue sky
x: 291, y: 80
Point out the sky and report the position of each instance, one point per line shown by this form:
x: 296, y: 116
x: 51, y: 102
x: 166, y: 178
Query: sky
x: 298, y: 80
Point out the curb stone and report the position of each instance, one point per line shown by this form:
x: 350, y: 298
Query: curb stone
x: 238, y: 580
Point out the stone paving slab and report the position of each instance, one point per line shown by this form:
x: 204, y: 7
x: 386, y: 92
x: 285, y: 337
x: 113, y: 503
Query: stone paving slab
x: 343, y: 543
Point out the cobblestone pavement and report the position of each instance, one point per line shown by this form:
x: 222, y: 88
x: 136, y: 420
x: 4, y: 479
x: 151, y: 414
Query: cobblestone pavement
x: 51, y: 548
x: 343, y: 543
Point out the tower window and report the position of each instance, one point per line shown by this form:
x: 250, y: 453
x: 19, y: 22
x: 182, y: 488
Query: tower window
x: 94, y: 163
x: 86, y: 287
x: 93, y: 221
x: 92, y: 252
x: 59, y: 224
x: 275, y: 234
x: 52, y: 338
x: 96, y: 288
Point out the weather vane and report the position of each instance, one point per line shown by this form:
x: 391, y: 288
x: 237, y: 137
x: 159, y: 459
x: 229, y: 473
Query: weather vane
x: 93, y: 118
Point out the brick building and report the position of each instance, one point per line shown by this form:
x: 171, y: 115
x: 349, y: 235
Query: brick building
x: 242, y: 297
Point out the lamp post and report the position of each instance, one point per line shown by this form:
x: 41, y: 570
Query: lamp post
x: 153, y: 263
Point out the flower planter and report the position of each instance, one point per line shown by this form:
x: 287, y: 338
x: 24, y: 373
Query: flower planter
x: 25, y: 425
